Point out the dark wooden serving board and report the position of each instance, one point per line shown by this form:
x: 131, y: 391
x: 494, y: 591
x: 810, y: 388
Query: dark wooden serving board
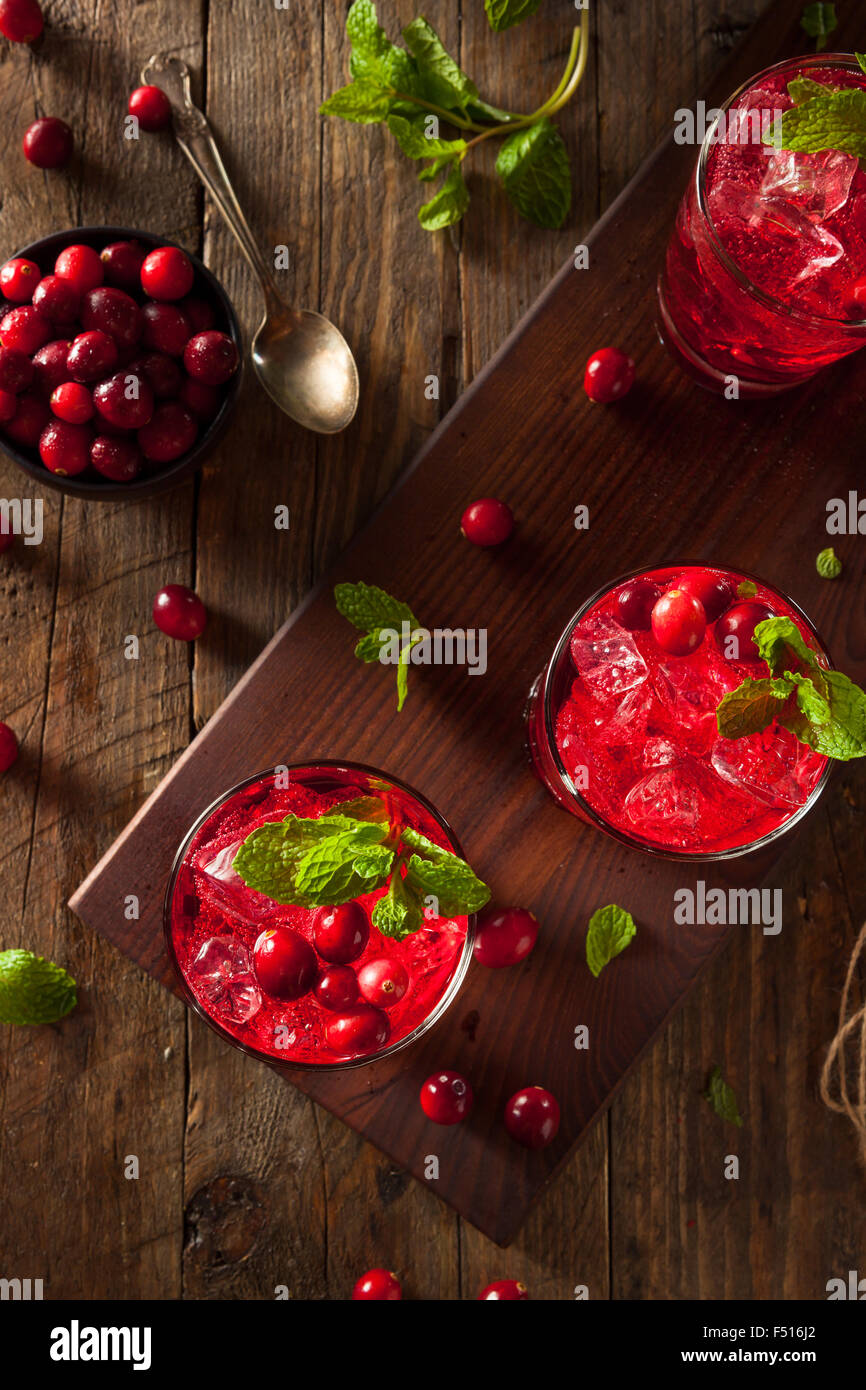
x: 671, y: 472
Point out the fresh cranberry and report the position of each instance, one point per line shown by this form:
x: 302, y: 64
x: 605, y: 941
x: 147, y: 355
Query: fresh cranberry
x: 125, y: 400
x: 57, y: 299
x: 167, y: 273
x: 679, y: 623
x: 505, y: 936
x: 634, y: 604
x: 49, y: 365
x: 446, y: 1097
x: 378, y: 1285
x: 117, y: 459
x: 163, y: 373
x: 341, y: 933
x: 48, y: 143
x: 65, y: 449
x: 713, y: 592
x: 8, y: 405
x: 8, y: 748
x: 609, y: 375
x: 203, y: 401
x: 337, y: 988
x: 199, y: 313
x: 7, y: 539
x: 16, y: 370
x: 532, y: 1117
x: 20, y: 20
x: 359, y: 1030
x: 18, y: 279
x: 735, y: 631
x: 91, y: 356
x: 112, y: 311
x: 72, y: 402
x: 166, y: 328
x: 285, y: 964
x: 25, y: 329
x: 170, y: 432
x: 180, y: 613
x: 487, y: 521
x: 505, y: 1290
x: 81, y: 266
x: 121, y: 264
x: 29, y: 420
x: 383, y: 982
x: 211, y: 357
x: 151, y: 107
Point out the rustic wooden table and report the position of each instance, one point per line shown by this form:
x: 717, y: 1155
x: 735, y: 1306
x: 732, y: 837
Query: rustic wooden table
x: 244, y: 1184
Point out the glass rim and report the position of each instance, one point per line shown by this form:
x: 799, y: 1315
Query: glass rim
x: 597, y: 819
x: 809, y: 60
x: 443, y: 1003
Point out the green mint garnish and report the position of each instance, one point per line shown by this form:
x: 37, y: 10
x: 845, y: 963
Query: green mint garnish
x: 414, y: 89
x: 819, y: 22
x: 352, y: 851
x: 861, y: 59
x: 823, y: 709
x: 824, y: 118
x: 721, y: 1097
x: 377, y: 615
x: 610, y: 930
x: 828, y: 564
x: 746, y: 589
x: 34, y: 990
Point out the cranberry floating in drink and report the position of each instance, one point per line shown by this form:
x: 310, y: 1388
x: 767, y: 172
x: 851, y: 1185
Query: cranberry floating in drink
x: 765, y: 276
x: 301, y: 915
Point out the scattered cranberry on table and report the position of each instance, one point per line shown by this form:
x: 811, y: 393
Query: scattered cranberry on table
x: 532, y: 1117
x: 504, y: 936
x: 341, y: 933
x: 151, y: 107
x: 735, y: 631
x: 285, y: 964
x: 211, y: 357
x: 359, y: 1030
x: 18, y: 279
x: 383, y: 982
x: 48, y: 143
x: 167, y: 273
x: 679, y: 623
x: 505, y: 1291
x: 8, y: 748
x: 379, y: 1285
x: 72, y: 402
x: 337, y: 988
x: 487, y: 522
x: 446, y: 1097
x: 179, y: 613
x: 609, y: 376
x: 21, y: 20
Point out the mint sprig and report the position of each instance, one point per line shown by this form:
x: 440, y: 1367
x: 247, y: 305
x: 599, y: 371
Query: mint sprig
x: 34, y: 990
x: 610, y: 930
x: 722, y: 1098
x: 823, y: 117
x: 819, y: 21
x: 383, y: 620
x: 414, y: 89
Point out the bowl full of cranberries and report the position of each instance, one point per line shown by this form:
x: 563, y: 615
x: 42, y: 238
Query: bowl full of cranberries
x: 120, y: 362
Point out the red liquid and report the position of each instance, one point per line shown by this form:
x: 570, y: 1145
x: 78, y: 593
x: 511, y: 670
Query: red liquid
x: 795, y: 227
x: 636, y: 732
x: 210, y: 901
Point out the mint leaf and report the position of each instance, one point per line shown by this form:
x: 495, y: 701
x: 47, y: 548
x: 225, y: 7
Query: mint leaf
x: 399, y: 913
x: 833, y: 724
x: 369, y: 608
x: 802, y: 88
x: 426, y: 848
x: 369, y: 647
x: 752, y: 706
x: 835, y: 120
x: 502, y: 14
x: 781, y: 644
x: 534, y: 169
x: 828, y: 564
x: 722, y: 1098
x: 819, y: 22
x: 361, y: 808
x: 34, y: 990
x: 327, y: 875
x: 452, y: 882
x: 746, y: 589
x: 362, y: 102
x: 363, y: 30
x: 861, y: 59
x: 270, y: 857
x: 448, y: 205
x: 610, y: 930
x: 411, y: 136
x: 444, y: 81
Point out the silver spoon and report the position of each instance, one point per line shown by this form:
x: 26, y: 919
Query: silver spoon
x: 301, y: 359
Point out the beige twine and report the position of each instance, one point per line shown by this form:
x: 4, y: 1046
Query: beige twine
x: 841, y: 1055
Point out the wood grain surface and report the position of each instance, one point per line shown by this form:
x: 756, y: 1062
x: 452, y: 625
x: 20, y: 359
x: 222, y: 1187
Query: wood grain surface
x: 642, y: 1209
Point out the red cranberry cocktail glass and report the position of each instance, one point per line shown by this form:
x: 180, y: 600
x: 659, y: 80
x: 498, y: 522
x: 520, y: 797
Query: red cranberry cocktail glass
x: 624, y: 734
x: 765, y: 274
x: 213, y: 922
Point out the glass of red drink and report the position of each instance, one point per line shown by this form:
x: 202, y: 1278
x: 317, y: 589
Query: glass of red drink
x: 213, y: 923
x: 765, y: 274
x: 624, y: 733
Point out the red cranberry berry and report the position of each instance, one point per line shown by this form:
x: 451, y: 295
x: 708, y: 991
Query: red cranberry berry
x: 121, y: 264
x: 337, y: 988
x: 57, y: 299
x: 20, y: 20
x: 125, y: 400
x: 358, y: 1031
x: 609, y: 375
x: 166, y: 328
x: 8, y: 748
x: 211, y: 357
x: 341, y: 933
x: 167, y: 273
x: 179, y: 613
x: 532, y: 1117
x: 72, y: 402
x: 18, y: 279
x: 65, y: 449
x: 49, y: 365
x: 679, y: 623
x: 735, y: 631
x: 163, y: 373
x: 29, y: 420
x: 285, y: 964
x: 151, y: 107
x: 48, y: 143
x: 7, y: 539
x: 199, y: 313
x: 383, y: 982
x: 446, y: 1097
x: 203, y: 401
x: 170, y: 432
x: 634, y: 603
x: 117, y: 459
x: 505, y: 936
x: 505, y: 1290
x: 25, y: 329
x: 713, y: 592
x: 112, y: 311
x: 487, y: 521
x: 16, y: 370
x: 81, y: 266
x: 378, y: 1285
x: 8, y: 405
x: 91, y: 356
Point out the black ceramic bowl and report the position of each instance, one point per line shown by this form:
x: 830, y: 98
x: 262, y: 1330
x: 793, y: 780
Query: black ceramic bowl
x: 206, y: 286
